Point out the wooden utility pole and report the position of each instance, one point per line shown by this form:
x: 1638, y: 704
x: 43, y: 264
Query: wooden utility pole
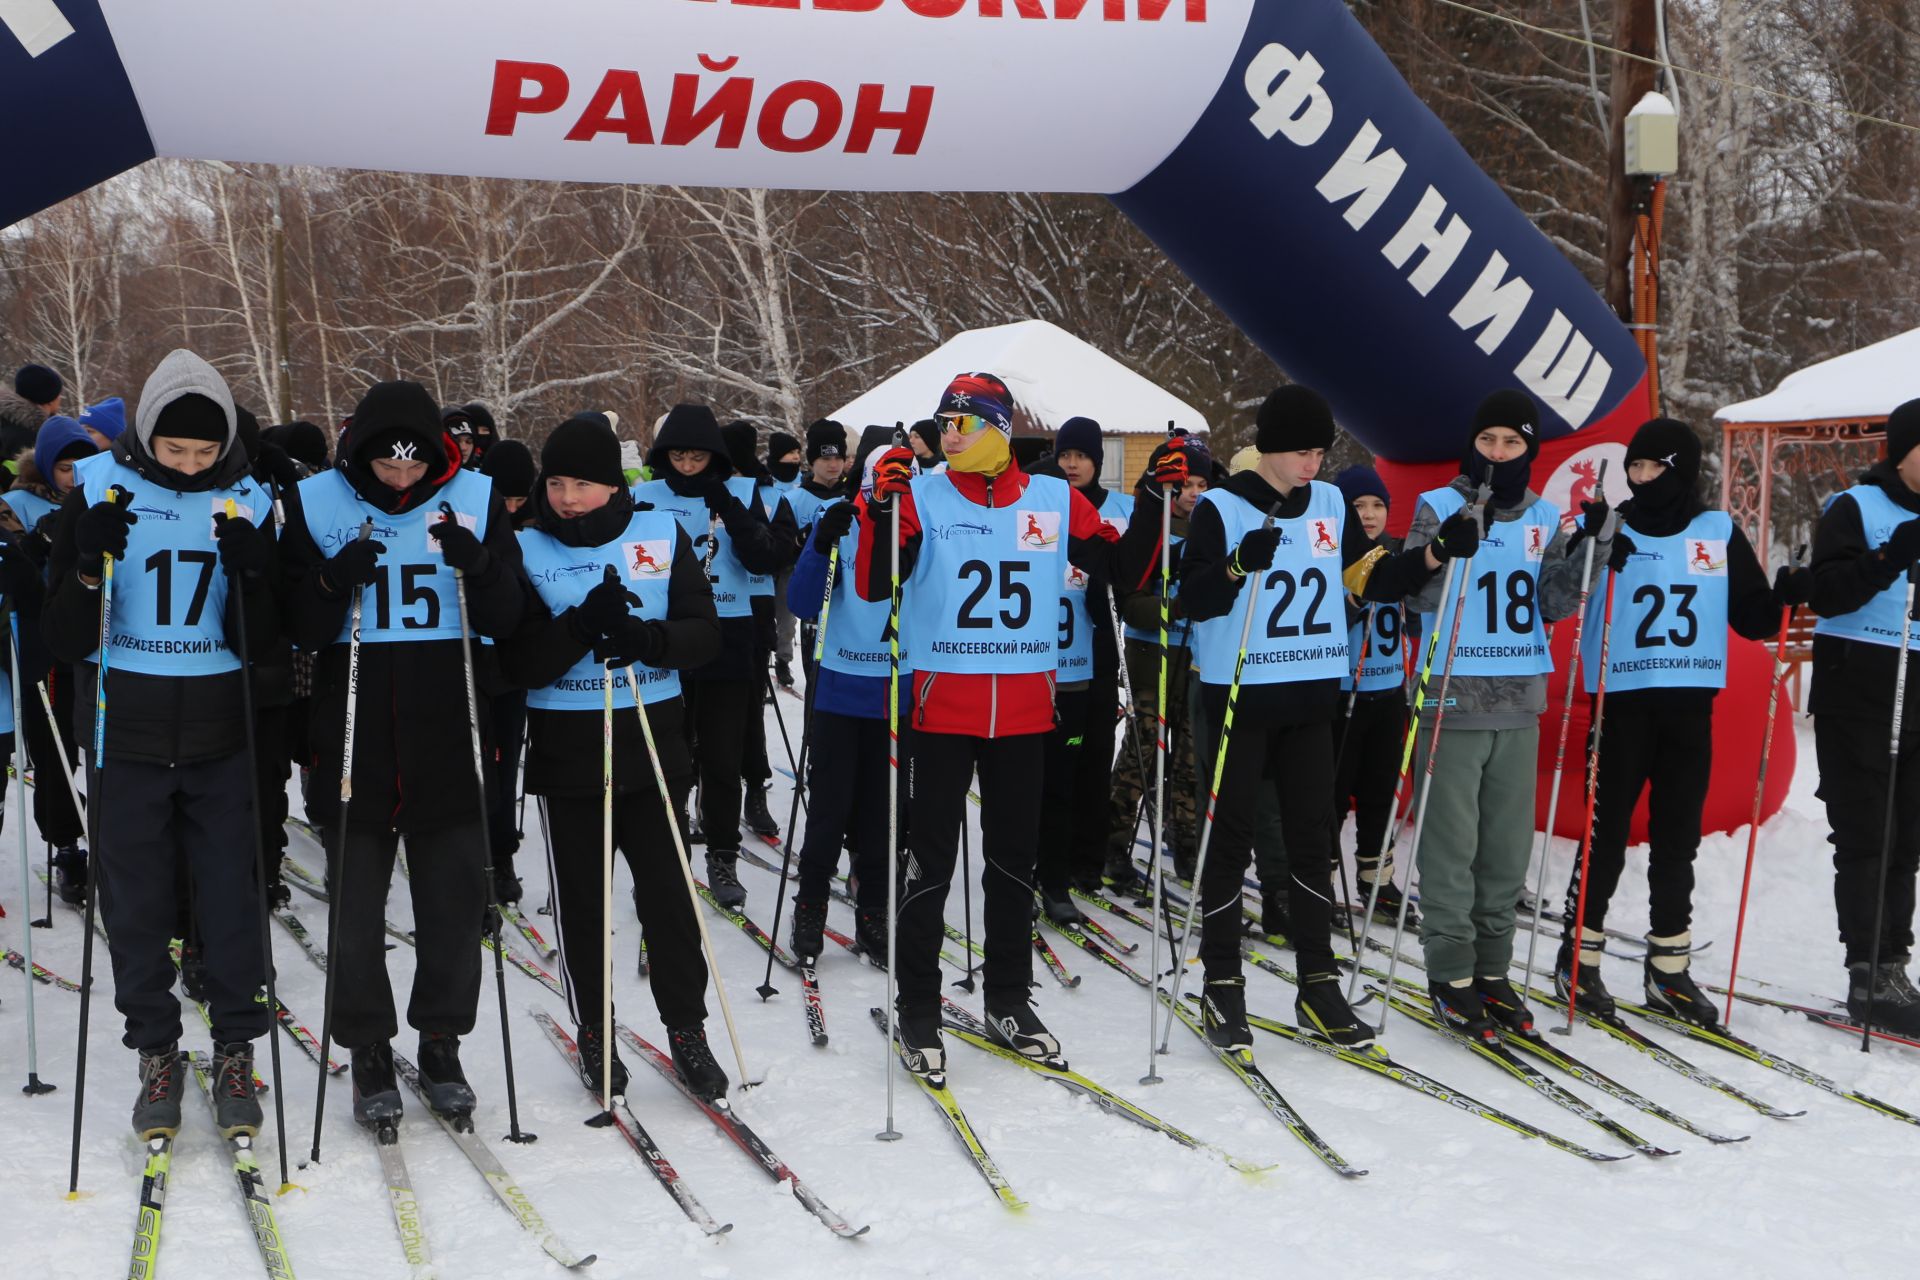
x: 283, y: 363
x: 1635, y: 30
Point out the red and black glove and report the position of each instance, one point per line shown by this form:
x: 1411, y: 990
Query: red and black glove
x: 1168, y: 467
x: 893, y: 473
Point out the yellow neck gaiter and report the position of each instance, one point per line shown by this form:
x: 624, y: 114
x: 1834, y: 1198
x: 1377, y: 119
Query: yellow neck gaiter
x: 988, y: 457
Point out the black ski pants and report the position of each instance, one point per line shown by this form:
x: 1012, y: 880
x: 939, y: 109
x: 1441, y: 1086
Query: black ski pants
x: 718, y: 715
x: 576, y: 853
x: 271, y: 771
x: 940, y: 770
x: 53, y: 810
x: 1263, y: 815
x: 1668, y: 753
x: 1367, y: 746
x: 1854, y: 775
x: 846, y: 804
x: 160, y: 816
x: 509, y: 714
x: 448, y: 883
x: 1292, y: 764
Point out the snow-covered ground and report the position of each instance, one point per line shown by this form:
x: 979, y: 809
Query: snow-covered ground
x: 1827, y: 1194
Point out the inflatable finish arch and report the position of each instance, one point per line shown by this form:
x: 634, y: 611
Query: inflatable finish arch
x: 1267, y: 146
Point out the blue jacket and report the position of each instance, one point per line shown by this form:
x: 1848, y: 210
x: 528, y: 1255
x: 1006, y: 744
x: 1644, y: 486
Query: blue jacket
x: 860, y: 697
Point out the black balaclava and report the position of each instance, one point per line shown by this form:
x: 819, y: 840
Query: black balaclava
x: 1663, y: 506
x: 1517, y: 411
x: 779, y: 445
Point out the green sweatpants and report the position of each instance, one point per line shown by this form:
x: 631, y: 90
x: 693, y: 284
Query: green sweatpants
x: 1474, y: 852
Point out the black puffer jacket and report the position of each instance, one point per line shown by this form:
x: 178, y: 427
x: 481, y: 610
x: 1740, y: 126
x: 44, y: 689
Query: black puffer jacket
x: 412, y: 748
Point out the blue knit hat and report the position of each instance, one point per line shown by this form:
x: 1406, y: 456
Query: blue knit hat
x: 1082, y: 434
x: 1361, y: 481
x: 109, y: 417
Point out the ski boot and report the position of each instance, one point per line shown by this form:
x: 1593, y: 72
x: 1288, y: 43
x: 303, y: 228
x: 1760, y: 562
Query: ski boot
x: 1670, y: 988
x: 592, y: 1041
x: 1061, y: 910
x: 1504, y: 1005
x: 1275, y: 920
x: 506, y: 885
x: 1896, y: 1005
x: 724, y: 880
x: 278, y: 894
x: 1223, y: 1014
x: 809, y: 926
x: 376, y: 1091
x: 1459, y: 1008
x: 694, y: 1062
x: 783, y: 673
x: 1014, y: 1024
x: 753, y: 809
x: 156, y: 1112
x: 1119, y: 876
x: 922, y: 1050
x: 448, y: 1093
x: 193, y: 973
x: 1322, y: 1009
x: 870, y: 935
x: 1386, y: 908
x: 236, y: 1109
x: 1594, y: 996
x: 70, y: 874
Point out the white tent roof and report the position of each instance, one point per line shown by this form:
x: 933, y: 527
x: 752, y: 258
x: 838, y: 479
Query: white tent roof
x: 1868, y: 383
x: 1052, y: 374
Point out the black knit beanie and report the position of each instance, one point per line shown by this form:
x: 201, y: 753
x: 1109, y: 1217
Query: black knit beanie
x: 1294, y: 418
x: 510, y: 466
x: 1903, y: 431
x: 585, y: 448
x: 37, y: 384
x: 826, y: 439
x: 1515, y: 410
x: 192, y: 417
x: 1084, y: 435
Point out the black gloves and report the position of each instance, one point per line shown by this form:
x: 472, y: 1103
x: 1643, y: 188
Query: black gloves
x: 1458, y: 537
x: 1623, y: 550
x: 101, y: 531
x: 459, y: 547
x: 603, y: 614
x: 1256, y: 550
x: 717, y: 496
x: 244, y: 546
x: 638, y: 640
x: 276, y: 466
x: 1594, y: 516
x: 19, y: 575
x: 352, y: 566
x: 1793, y: 585
x: 834, y: 524
x: 1902, y: 547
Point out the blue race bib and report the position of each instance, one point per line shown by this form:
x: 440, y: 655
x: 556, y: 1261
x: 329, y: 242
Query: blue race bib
x: 562, y: 576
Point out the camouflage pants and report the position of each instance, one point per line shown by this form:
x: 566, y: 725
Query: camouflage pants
x: 1129, y: 776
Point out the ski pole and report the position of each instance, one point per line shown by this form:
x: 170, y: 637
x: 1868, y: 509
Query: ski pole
x: 118, y: 496
x: 1433, y: 751
x: 780, y: 722
x: 1566, y: 720
x: 1593, y: 795
x: 1760, y: 790
x: 1893, y: 790
x: 34, y: 1084
x: 1254, y: 582
x: 514, y: 1132
x: 238, y: 583
x: 1396, y: 826
x: 66, y: 774
x: 1125, y: 678
x: 606, y: 885
x: 686, y: 870
x: 336, y: 886
x: 767, y: 989
x: 891, y: 1134
x: 966, y: 984
x: 1338, y: 818
x: 1156, y: 872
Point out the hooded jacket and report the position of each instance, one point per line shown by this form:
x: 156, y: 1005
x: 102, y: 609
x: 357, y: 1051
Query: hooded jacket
x: 158, y: 719
x: 1851, y: 678
x: 413, y: 758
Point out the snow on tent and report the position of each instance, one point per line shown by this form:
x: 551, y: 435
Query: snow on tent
x: 1053, y: 376
x: 1860, y: 386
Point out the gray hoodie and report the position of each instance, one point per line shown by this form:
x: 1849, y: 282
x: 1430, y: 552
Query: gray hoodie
x: 1500, y: 702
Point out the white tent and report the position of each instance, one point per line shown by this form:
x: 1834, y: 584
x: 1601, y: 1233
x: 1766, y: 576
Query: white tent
x: 1053, y: 376
x: 1860, y: 385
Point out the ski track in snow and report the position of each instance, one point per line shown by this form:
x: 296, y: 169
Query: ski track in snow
x: 1447, y: 1193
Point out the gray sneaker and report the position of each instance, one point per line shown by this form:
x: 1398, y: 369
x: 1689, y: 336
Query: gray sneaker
x: 236, y: 1108
x: 156, y: 1112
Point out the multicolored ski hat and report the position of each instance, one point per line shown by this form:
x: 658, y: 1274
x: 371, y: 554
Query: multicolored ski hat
x: 978, y: 395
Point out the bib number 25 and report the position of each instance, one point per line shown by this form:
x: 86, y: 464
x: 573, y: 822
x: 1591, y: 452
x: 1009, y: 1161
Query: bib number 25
x: 1015, y: 598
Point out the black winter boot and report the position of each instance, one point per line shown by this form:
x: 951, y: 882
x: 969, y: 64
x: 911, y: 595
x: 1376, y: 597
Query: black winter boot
x: 724, y: 879
x: 1223, y: 1014
x: 870, y: 932
x: 809, y: 926
x: 1322, y: 1009
x: 1460, y: 1009
x: 924, y: 1053
x: 1504, y: 1005
x: 1594, y: 997
x: 1670, y: 989
x: 694, y: 1060
x: 376, y: 1090
x: 592, y: 1041
x: 448, y: 1093
x: 753, y: 811
x: 156, y: 1110
x: 1896, y: 1005
x: 236, y: 1108
x: 1014, y: 1024
x: 70, y: 874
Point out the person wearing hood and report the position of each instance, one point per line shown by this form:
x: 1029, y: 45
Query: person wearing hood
x: 413, y: 768
x: 1370, y: 725
x: 1864, y: 547
x: 1474, y: 852
x: 1183, y: 464
x: 621, y: 595
x: 1685, y: 574
x: 1079, y: 756
x: 45, y: 478
x: 1276, y: 522
x: 847, y: 704
x: 783, y: 464
x: 485, y: 432
x: 721, y: 512
x: 459, y: 428
x: 173, y: 505
x: 983, y: 550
